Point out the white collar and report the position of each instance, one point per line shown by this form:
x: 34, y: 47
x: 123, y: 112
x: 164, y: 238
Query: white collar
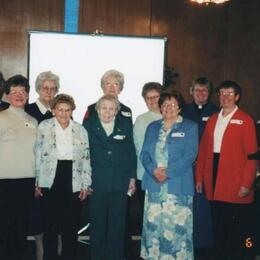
x: 41, y: 107
x: 179, y: 119
x: 58, y: 126
x: 227, y: 117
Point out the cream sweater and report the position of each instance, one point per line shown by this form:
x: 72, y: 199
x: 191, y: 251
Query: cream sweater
x: 17, y: 138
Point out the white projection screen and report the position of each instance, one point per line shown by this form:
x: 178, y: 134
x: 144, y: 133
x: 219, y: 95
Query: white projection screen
x: 81, y: 59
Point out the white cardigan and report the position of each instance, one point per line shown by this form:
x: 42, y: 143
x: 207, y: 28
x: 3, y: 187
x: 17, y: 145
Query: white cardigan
x: 46, y: 156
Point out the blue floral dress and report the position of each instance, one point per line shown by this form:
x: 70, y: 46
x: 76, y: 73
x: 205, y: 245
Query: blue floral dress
x: 167, y: 225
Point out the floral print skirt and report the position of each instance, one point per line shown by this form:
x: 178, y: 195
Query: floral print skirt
x: 167, y: 226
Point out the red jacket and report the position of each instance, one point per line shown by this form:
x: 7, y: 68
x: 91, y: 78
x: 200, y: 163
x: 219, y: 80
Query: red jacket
x: 234, y: 169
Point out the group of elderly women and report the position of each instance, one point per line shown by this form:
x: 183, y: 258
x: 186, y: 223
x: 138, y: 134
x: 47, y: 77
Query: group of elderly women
x: 99, y: 159
x: 61, y: 162
x: 223, y: 172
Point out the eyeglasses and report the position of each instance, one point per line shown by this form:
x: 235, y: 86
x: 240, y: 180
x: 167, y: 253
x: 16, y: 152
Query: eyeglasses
x: 222, y: 93
x: 172, y: 105
x: 47, y: 89
x: 111, y: 84
x: 152, y: 98
x: 197, y: 90
x: 18, y: 93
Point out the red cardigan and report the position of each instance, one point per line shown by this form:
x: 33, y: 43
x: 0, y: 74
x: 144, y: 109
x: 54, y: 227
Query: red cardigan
x: 234, y: 169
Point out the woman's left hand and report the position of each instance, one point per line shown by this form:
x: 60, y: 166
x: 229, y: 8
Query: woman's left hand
x: 131, y: 186
x: 243, y: 191
x: 83, y: 194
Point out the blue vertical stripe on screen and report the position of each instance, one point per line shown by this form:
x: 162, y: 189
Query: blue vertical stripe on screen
x: 71, y: 16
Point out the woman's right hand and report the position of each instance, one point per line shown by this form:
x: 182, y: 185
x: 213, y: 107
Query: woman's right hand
x: 38, y: 192
x: 199, y: 187
x: 160, y: 174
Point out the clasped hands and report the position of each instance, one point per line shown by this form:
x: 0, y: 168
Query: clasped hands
x: 160, y: 174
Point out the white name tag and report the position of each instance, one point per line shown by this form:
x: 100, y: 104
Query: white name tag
x: 180, y: 134
x: 119, y: 137
x: 126, y: 114
x: 205, y: 118
x: 236, y: 121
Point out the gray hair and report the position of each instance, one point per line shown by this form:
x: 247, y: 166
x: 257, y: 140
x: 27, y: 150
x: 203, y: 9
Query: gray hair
x: 119, y: 76
x: 110, y: 98
x: 47, y: 75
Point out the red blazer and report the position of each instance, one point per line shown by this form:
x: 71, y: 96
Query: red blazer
x: 234, y: 169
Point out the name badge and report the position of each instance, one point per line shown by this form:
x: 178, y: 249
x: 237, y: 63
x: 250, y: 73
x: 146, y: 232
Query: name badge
x: 236, y: 121
x: 29, y: 124
x: 119, y: 137
x: 205, y: 118
x: 126, y: 114
x: 180, y: 134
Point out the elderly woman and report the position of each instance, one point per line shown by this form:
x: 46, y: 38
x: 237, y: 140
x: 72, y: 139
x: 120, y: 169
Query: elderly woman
x: 169, y: 150
x: 17, y: 137
x: 113, y: 162
x: 151, y: 93
x: 46, y: 85
x: 112, y: 83
x: 226, y: 174
x: 63, y: 176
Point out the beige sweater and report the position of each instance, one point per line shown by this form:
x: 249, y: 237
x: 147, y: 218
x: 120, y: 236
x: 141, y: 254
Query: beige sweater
x: 17, y: 138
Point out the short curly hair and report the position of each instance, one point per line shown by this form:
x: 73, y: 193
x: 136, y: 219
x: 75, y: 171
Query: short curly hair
x: 119, y: 76
x: 63, y: 98
x: 172, y: 94
x: 151, y: 86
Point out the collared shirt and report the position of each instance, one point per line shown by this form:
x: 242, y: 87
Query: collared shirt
x: 221, y: 125
x: 64, y: 141
x: 41, y: 107
x: 108, y: 127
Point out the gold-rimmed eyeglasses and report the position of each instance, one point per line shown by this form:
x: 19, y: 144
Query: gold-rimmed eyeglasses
x: 226, y: 93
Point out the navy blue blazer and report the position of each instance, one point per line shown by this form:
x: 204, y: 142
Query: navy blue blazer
x: 113, y: 158
x: 182, y: 152
x: 33, y: 110
x: 201, y: 116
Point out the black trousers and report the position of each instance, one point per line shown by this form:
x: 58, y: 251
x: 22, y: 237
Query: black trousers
x: 107, y: 230
x: 140, y: 196
x: 134, y: 218
x: 232, y: 226
x: 233, y: 230
x: 16, y: 196
x: 61, y: 209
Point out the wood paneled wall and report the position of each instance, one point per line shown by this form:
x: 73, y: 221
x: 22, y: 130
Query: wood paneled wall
x: 16, y: 17
x: 221, y: 42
